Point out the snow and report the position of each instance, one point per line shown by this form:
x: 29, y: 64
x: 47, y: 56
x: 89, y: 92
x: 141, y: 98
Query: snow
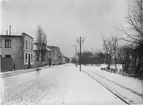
x: 128, y: 87
x: 58, y: 85
x: 85, y: 91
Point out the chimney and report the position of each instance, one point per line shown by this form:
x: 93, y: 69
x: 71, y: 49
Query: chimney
x: 10, y: 30
x: 6, y: 32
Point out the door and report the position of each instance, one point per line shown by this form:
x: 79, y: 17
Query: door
x: 29, y: 61
x: 50, y: 62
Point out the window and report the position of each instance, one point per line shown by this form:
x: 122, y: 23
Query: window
x: 0, y: 43
x: 7, y: 43
x: 31, y: 58
x: 26, y: 44
x: 25, y: 57
x: 7, y: 56
x: 31, y: 46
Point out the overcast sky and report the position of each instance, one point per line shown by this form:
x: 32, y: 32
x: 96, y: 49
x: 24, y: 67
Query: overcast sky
x: 65, y: 20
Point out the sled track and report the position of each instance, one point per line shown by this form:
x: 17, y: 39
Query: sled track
x: 120, y: 97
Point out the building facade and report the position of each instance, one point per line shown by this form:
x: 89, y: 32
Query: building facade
x: 19, y: 48
x: 28, y: 50
x: 56, y: 55
x: 48, y: 57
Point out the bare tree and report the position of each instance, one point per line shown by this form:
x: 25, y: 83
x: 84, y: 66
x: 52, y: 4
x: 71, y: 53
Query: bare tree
x: 125, y: 54
x: 41, y: 43
x: 108, y: 47
x: 134, y: 31
x: 115, y: 45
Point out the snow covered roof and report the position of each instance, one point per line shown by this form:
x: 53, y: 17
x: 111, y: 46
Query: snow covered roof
x: 35, y: 48
x: 48, y: 49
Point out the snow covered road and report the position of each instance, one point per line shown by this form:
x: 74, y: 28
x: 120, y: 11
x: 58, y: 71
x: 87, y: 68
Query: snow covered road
x: 59, y: 85
x: 128, y: 88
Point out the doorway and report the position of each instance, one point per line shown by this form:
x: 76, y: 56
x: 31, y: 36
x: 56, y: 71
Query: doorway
x: 29, y: 61
x: 49, y: 62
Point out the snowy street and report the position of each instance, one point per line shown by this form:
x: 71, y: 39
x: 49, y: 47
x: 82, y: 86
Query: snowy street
x: 130, y: 89
x: 65, y: 85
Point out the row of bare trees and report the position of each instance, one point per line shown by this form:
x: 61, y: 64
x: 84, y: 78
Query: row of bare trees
x: 111, y: 47
x: 130, y: 56
x: 134, y: 31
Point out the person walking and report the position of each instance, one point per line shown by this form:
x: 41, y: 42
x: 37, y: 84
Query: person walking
x: 14, y: 67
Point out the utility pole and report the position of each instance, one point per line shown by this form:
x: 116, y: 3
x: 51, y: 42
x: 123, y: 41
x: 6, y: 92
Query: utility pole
x: 75, y: 54
x: 80, y: 41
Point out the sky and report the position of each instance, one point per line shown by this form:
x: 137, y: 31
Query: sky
x: 65, y: 20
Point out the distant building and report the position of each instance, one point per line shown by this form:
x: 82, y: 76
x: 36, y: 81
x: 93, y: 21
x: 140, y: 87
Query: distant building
x: 37, y: 56
x: 48, y: 56
x: 55, y: 55
x: 19, y: 48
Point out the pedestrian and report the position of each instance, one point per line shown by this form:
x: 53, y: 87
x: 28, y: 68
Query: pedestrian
x: 49, y: 62
x: 14, y: 67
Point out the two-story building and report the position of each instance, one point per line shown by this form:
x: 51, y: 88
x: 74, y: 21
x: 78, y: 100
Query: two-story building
x: 17, y: 47
x: 55, y: 55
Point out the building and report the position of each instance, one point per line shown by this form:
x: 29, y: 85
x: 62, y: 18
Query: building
x: 37, y: 56
x: 53, y: 56
x: 48, y: 57
x: 28, y: 50
x: 56, y: 55
x: 19, y: 48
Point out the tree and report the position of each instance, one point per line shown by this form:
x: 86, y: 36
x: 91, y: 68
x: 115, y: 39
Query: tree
x: 41, y: 43
x: 86, y: 57
x: 115, y: 49
x: 134, y: 31
x: 125, y: 56
x: 99, y: 58
x: 108, y: 47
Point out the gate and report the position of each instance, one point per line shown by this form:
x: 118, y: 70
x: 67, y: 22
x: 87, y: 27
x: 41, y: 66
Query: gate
x: 6, y: 64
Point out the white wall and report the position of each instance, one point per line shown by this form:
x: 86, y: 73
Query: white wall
x: 15, y: 47
x: 28, y: 50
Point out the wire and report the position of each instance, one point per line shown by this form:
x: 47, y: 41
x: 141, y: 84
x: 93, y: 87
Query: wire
x: 108, y: 7
x: 98, y: 11
x: 104, y: 9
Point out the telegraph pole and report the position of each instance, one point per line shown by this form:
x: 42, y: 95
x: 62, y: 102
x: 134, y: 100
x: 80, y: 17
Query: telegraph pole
x: 80, y: 41
x: 75, y: 53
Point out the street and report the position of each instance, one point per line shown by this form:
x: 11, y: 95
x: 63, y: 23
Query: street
x: 71, y: 52
x: 58, y: 85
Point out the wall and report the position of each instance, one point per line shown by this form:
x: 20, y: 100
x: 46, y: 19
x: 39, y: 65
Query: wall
x: 28, y: 50
x: 15, y: 50
x: 47, y: 57
x: 55, y: 55
x: 6, y: 64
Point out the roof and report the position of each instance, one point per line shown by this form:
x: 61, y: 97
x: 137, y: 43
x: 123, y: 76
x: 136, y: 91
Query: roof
x: 27, y: 35
x: 35, y: 48
x: 10, y: 35
x: 48, y: 49
x: 52, y: 47
x: 17, y: 35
